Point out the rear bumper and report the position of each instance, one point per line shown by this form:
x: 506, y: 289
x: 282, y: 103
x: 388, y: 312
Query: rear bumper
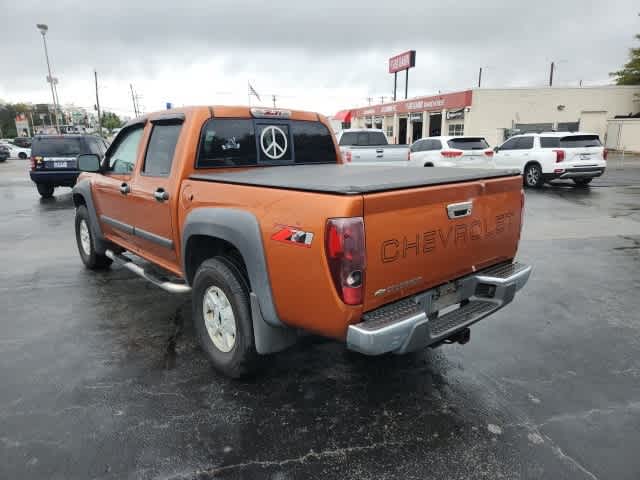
x: 578, y: 172
x: 59, y: 178
x: 413, y: 323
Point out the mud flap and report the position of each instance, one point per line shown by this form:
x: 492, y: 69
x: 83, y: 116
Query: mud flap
x: 269, y: 339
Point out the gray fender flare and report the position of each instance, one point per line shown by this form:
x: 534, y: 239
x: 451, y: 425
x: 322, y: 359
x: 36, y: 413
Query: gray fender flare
x: 241, y: 229
x: 83, y: 189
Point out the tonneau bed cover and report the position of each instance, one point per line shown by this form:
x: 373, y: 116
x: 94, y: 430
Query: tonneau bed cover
x: 350, y: 180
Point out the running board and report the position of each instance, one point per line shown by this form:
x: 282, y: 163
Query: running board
x: 167, y: 286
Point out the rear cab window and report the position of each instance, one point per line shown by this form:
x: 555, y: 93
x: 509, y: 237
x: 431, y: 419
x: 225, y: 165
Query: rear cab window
x: 468, y: 143
x: 238, y: 142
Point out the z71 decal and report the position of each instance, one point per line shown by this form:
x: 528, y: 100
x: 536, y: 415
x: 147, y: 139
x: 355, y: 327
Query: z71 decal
x: 293, y: 235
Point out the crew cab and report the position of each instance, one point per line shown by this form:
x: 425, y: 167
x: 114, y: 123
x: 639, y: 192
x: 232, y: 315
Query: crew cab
x: 251, y: 212
x: 464, y: 152
x: 369, y: 146
x: 543, y: 157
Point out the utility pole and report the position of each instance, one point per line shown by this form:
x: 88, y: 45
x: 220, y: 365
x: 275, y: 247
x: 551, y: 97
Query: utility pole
x: 480, y: 77
x: 273, y: 97
x: 133, y: 99
x: 382, y: 99
x: 95, y: 74
x: 369, y: 99
x: 553, y: 64
x: 43, y: 30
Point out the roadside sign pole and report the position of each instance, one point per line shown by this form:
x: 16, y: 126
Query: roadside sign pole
x: 395, y: 85
x: 406, y: 83
x: 95, y: 74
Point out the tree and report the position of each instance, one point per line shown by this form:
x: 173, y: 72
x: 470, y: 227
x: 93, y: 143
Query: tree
x: 630, y: 73
x: 110, y: 120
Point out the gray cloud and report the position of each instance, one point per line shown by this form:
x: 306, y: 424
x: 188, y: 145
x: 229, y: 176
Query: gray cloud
x: 329, y: 44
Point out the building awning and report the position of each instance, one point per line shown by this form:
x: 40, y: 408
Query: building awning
x: 343, y: 115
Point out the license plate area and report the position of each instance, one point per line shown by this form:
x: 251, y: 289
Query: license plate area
x: 59, y: 164
x: 585, y: 156
x: 446, y: 297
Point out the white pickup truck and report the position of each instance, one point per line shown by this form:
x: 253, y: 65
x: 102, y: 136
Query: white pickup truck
x: 542, y: 157
x: 369, y: 146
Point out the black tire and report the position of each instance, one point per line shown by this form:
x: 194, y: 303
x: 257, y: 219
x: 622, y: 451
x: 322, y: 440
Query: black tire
x: 241, y: 359
x: 532, y: 177
x: 22, y: 156
x: 428, y: 164
x: 45, y: 190
x: 582, y: 182
x: 91, y: 259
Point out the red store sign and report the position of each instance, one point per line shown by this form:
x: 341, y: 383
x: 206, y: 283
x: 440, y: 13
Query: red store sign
x: 438, y: 102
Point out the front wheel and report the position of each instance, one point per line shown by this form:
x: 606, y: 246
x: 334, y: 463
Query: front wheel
x: 222, y: 317
x: 581, y: 182
x: 533, y: 176
x: 45, y: 190
x: 86, y: 245
x: 22, y: 156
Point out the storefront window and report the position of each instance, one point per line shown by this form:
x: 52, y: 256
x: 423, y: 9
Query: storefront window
x: 389, y: 131
x: 456, y: 129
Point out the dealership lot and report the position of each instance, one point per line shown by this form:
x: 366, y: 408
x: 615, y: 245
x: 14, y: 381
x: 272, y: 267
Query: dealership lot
x: 102, y: 376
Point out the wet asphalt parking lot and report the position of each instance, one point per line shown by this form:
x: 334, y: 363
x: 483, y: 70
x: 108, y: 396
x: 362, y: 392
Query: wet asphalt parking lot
x: 101, y: 375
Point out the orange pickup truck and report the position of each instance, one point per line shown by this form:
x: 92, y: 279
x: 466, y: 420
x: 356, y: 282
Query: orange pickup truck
x: 250, y: 210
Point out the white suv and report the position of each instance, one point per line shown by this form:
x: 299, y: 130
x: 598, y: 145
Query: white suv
x: 542, y: 157
x: 466, y: 152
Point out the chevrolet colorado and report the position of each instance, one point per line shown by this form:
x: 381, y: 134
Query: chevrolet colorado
x: 251, y: 212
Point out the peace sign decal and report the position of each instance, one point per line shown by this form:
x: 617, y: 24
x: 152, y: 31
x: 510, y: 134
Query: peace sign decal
x: 273, y: 142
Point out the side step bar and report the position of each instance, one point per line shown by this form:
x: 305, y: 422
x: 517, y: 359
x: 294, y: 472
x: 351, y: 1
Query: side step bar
x: 166, y: 285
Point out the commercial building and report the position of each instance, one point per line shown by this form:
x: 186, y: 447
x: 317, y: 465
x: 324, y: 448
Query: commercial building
x: 497, y: 114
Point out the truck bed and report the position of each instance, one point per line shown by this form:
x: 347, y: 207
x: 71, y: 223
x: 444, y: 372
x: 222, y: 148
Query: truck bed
x: 350, y: 180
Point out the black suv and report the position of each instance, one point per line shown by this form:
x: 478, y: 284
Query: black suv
x: 53, y: 159
x: 4, y: 153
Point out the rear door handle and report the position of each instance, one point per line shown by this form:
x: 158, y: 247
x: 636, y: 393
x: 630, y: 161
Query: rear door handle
x: 125, y: 188
x: 161, y: 195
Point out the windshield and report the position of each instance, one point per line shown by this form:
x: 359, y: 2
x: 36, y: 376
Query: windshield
x: 468, y: 143
x: 57, y: 147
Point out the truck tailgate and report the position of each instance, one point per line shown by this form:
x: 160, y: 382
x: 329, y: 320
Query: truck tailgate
x: 418, y: 238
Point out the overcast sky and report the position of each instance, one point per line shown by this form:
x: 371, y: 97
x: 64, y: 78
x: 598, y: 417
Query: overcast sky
x: 317, y: 55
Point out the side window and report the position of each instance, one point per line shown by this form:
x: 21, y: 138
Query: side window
x: 524, y: 143
x: 95, y: 146
x: 123, y: 157
x: 162, y: 145
x: 435, y: 145
x: 510, y: 144
x: 549, y: 142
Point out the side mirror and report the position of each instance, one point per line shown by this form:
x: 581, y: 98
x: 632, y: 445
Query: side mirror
x: 88, y: 162
x: 496, y: 149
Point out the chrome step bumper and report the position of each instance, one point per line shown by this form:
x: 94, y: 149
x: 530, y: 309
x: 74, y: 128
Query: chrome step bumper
x: 413, y: 323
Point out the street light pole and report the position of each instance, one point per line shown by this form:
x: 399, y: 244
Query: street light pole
x: 43, y: 30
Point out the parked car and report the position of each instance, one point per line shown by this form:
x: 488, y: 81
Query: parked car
x: 278, y: 246
x: 542, y: 157
x: 53, y: 159
x: 24, y: 142
x: 4, y: 153
x: 17, y: 152
x: 369, y: 146
x: 447, y: 151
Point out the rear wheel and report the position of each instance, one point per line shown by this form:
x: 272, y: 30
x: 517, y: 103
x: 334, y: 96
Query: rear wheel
x: 222, y: 317
x: 84, y: 239
x: 581, y: 182
x: 22, y: 156
x: 428, y: 164
x: 45, y: 190
x: 533, y: 176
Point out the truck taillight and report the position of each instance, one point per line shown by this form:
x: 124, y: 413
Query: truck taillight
x: 450, y: 153
x: 559, y: 156
x: 33, y: 162
x: 344, y: 245
x: 605, y: 154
